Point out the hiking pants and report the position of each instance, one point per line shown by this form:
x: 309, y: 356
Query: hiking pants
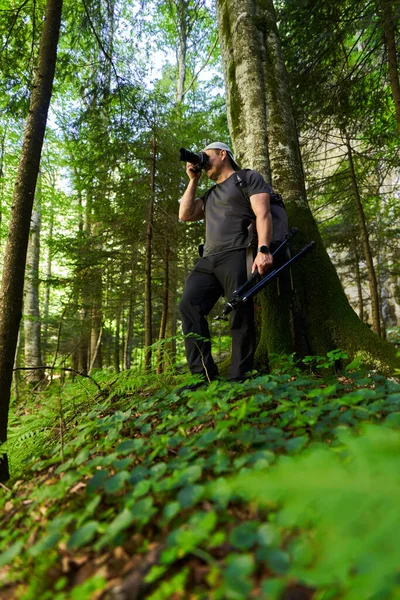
x: 212, y: 277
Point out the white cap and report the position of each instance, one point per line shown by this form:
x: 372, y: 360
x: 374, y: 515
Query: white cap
x: 222, y: 146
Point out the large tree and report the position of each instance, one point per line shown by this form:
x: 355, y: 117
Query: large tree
x: 264, y: 136
x: 24, y: 192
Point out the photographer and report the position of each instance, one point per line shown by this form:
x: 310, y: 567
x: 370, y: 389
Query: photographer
x: 228, y: 210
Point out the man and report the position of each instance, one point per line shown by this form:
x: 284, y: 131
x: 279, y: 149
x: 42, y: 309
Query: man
x: 228, y: 212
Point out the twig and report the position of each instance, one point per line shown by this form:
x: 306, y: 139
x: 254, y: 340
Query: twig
x: 104, y: 51
x: 201, y: 68
x: 4, y: 487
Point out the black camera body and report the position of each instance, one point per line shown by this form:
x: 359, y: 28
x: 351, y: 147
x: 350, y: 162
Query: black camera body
x: 200, y: 160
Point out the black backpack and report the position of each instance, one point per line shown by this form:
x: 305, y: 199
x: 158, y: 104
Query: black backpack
x: 278, y: 209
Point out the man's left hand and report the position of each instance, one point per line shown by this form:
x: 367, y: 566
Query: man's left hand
x: 263, y: 262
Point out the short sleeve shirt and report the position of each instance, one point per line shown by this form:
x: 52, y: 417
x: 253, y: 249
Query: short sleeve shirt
x: 228, y: 212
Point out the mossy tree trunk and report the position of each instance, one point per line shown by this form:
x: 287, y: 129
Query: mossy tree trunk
x: 389, y: 31
x: 264, y: 137
x: 24, y: 192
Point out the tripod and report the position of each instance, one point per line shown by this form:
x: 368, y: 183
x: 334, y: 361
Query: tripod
x: 245, y: 291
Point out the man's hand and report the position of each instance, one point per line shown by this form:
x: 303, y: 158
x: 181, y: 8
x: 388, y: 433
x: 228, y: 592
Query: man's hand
x: 193, y: 173
x: 262, y: 262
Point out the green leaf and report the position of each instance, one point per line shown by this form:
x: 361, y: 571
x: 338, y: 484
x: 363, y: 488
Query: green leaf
x: 82, y: 536
x: 12, y: 552
x: 119, y: 524
x: 244, y: 536
x: 116, y: 482
x: 296, y: 444
x: 237, y: 584
x: 190, y: 495
x: 158, y: 470
x: 143, y: 510
x: 190, y: 475
x: 138, y: 474
x: 48, y: 542
x: 171, y: 510
x: 97, y: 480
x: 141, y: 488
x: 278, y: 561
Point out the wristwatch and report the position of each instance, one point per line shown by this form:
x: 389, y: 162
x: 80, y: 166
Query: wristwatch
x: 264, y: 249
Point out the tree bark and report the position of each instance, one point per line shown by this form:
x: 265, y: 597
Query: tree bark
x: 358, y: 281
x: 373, y: 284
x: 131, y: 313
x: 264, y: 136
x: 32, y: 322
x: 148, y: 335
x: 49, y: 266
x: 24, y: 192
x: 164, y: 314
x: 388, y: 26
x: 182, y: 7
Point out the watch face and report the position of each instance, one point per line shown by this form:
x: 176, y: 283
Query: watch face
x: 264, y: 249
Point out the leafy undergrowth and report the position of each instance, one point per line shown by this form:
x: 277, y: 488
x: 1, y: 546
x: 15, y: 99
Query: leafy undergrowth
x: 284, y: 487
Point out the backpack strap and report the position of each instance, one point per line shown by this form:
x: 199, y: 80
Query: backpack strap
x: 241, y: 181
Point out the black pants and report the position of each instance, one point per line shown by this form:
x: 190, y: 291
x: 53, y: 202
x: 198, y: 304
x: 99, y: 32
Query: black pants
x: 212, y: 277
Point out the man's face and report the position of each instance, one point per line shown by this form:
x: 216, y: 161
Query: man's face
x: 215, y: 163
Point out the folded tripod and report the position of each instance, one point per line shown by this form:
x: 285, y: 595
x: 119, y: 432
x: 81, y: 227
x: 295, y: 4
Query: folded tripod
x: 245, y: 291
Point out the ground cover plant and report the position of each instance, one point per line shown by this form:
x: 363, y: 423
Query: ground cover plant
x: 285, y: 486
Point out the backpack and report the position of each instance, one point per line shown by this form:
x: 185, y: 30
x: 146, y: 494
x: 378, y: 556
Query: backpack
x: 278, y: 210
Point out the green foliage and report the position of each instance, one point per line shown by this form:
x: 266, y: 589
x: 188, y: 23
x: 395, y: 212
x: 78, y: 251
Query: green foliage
x: 254, y: 484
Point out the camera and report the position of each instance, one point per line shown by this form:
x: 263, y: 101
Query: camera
x: 199, y: 159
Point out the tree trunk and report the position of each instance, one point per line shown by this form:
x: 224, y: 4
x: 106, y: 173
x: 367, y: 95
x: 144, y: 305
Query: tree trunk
x: 264, y: 137
x: 148, y: 336
x: 49, y: 267
x: 131, y: 312
x: 24, y: 192
x: 32, y: 324
x: 182, y: 7
x: 164, y: 314
x: 358, y: 281
x: 373, y: 284
x: 117, y: 339
x: 390, y: 41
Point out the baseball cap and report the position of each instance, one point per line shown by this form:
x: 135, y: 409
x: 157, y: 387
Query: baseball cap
x: 222, y: 146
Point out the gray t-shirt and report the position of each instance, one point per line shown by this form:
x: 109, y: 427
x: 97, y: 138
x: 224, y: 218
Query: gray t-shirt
x: 228, y: 212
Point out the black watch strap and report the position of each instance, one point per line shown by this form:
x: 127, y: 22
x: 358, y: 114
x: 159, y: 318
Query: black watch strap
x: 264, y: 249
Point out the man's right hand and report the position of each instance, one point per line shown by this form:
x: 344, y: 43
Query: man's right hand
x: 192, y: 172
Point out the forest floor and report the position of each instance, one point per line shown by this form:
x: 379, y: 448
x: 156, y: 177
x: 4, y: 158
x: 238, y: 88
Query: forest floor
x: 283, y: 487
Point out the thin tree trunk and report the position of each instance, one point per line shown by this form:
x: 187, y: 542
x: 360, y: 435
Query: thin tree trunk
x: 46, y: 305
x: 95, y: 351
x: 32, y: 323
x: 164, y: 314
x: 373, y: 284
x: 24, y: 192
x: 117, y: 339
x: 182, y: 7
x: 148, y: 336
x: 129, y: 326
x: 358, y: 281
x: 388, y: 26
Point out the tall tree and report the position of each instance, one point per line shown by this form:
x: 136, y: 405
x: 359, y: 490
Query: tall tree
x: 32, y: 321
x: 18, y: 236
x: 264, y: 136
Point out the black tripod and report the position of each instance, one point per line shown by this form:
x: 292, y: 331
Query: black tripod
x: 245, y: 291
